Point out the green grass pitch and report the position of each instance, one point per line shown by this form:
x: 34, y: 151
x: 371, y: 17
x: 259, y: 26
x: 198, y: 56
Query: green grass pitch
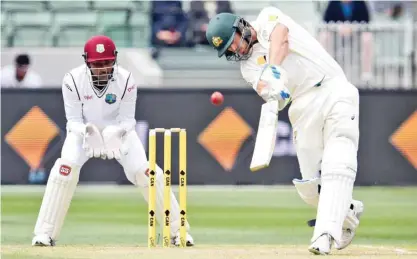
x: 226, y: 222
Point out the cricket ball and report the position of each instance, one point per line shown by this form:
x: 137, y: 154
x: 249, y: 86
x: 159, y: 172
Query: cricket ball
x: 217, y: 98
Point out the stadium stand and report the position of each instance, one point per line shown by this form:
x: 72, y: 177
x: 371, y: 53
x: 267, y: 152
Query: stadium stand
x: 67, y: 24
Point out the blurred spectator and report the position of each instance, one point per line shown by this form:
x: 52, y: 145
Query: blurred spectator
x: 200, y: 14
x: 349, y: 12
x: 169, y: 25
x: 346, y: 11
x: 20, y: 75
x: 395, y: 10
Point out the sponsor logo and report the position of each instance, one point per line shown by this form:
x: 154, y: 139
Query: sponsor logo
x: 64, y: 170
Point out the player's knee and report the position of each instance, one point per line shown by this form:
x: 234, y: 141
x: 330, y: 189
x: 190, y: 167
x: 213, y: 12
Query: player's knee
x: 340, y: 156
x: 65, y: 170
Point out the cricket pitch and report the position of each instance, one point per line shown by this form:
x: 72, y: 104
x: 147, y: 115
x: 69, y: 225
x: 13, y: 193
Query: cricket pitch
x: 198, y: 252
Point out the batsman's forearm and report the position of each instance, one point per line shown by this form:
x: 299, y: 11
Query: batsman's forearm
x: 279, y: 46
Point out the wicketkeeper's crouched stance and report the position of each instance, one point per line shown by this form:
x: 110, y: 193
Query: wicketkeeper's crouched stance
x: 100, y: 102
x: 283, y: 62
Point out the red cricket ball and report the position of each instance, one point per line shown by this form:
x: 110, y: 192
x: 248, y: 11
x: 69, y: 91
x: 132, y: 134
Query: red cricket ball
x: 217, y: 98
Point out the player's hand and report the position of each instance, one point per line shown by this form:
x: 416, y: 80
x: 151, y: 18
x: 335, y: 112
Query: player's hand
x: 274, y: 85
x: 114, y: 141
x: 93, y: 143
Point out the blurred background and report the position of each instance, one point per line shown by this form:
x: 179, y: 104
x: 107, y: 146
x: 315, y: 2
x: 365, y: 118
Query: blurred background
x: 163, y: 44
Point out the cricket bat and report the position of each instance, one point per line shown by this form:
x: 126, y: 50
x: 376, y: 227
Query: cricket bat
x: 265, y: 137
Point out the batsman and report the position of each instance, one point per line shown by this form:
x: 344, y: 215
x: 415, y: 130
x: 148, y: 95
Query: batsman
x: 285, y: 64
x: 100, y: 103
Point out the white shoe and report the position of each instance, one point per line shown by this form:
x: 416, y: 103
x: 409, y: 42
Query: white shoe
x: 322, y: 245
x: 350, y: 226
x: 176, y: 240
x: 42, y: 240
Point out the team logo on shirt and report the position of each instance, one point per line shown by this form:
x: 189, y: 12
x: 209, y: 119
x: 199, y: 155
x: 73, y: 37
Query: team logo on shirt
x: 261, y: 60
x: 100, y: 48
x: 110, y: 98
x: 272, y: 18
x: 217, y: 41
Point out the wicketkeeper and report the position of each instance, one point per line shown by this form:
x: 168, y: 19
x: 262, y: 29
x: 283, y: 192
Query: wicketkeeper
x: 100, y: 102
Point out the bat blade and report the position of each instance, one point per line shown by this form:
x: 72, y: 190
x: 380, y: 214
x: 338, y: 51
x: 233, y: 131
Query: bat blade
x: 265, y: 137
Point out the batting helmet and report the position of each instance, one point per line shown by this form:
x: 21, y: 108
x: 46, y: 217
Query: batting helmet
x: 221, y: 33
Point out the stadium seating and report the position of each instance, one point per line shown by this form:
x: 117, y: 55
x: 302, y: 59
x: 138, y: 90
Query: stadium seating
x: 69, y: 23
x: 3, y: 29
x: 66, y: 6
x: 18, y: 6
x: 113, y: 5
x: 72, y: 29
x: 31, y: 28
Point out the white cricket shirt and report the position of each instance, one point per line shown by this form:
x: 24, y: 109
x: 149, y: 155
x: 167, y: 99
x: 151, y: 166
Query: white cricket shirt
x: 307, y: 62
x: 114, y: 105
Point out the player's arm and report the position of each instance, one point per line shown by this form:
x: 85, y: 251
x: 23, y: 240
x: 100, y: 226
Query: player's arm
x: 272, y: 82
x: 127, y: 108
x: 279, y: 46
x: 73, y: 105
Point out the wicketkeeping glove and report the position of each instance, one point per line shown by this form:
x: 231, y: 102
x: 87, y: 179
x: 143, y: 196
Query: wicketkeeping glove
x: 114, y: 141
x: 93, y: 143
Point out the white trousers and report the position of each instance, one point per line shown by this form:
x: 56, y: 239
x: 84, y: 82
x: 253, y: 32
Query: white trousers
x: 318, y: 117
x: 325, y: 122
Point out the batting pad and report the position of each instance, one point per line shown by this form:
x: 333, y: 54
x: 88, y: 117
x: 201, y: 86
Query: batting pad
x: 335, y: 199
x: 58, y: 194
x: 142, y: 182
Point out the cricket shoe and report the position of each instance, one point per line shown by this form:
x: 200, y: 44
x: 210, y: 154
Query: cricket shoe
x: 43, y: 240
x: 176, y: 240
x: 322, y: 245
x: 350, y: 225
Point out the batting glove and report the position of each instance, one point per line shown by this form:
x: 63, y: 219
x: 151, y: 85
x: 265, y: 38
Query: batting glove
x: 276, y: 90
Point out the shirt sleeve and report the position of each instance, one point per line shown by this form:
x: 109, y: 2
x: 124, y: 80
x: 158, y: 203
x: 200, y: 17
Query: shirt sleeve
x: 73, y: 105
x: 268, y: 18
x: 252, y: 75
x: 127, y: 110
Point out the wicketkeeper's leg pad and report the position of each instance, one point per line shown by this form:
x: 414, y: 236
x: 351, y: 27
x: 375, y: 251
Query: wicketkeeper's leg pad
x: 309, y: 190
x: 60, y: 188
